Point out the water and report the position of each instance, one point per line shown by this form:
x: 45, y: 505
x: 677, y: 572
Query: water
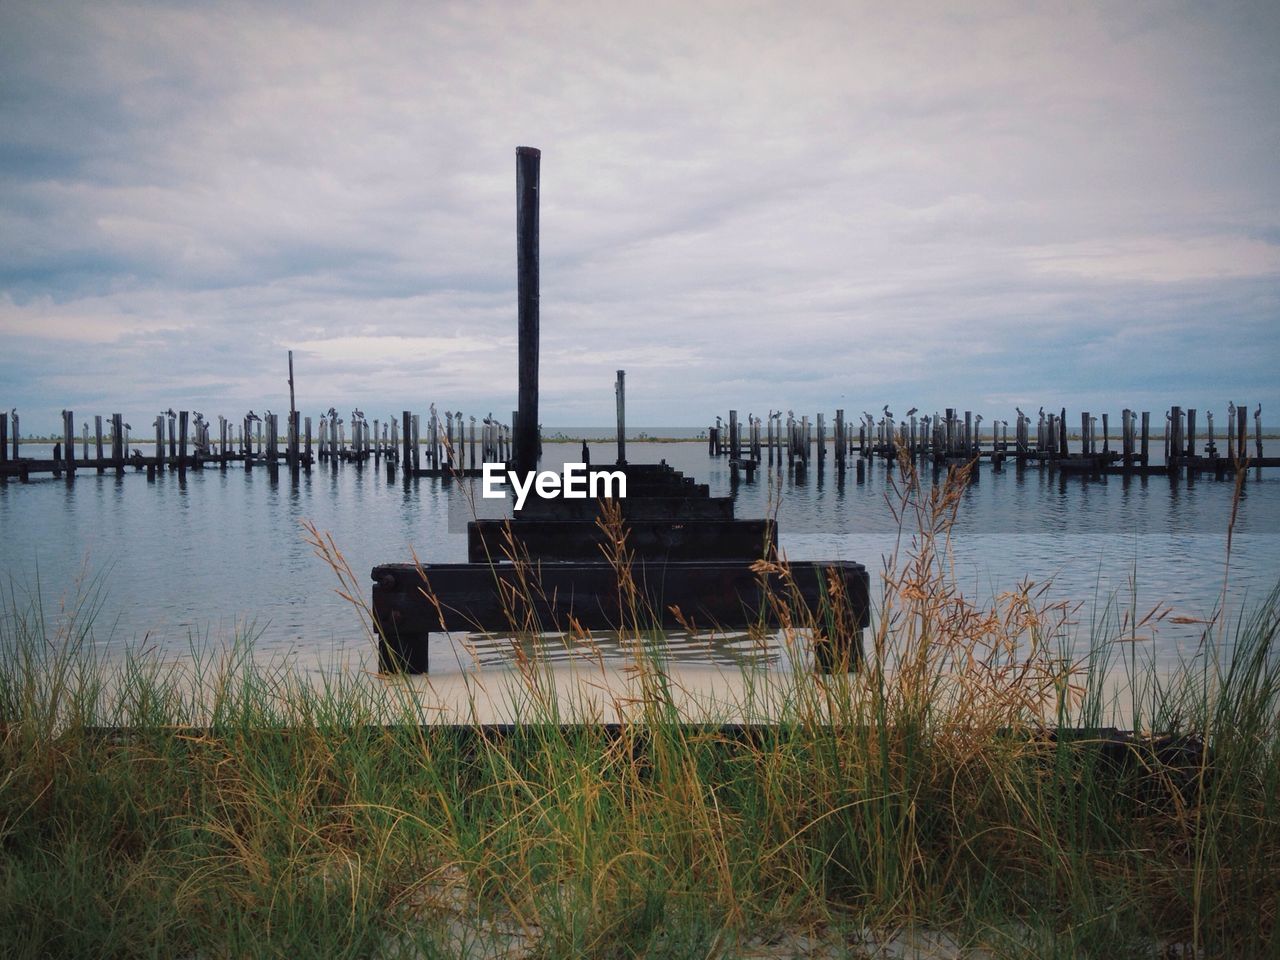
x: 183, y: 562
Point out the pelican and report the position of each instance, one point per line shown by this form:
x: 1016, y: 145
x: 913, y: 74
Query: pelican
x: 912, y: 412
x: 886, y: 411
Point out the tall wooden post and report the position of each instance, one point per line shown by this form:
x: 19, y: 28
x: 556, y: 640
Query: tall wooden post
x: 292, y: 452
x: 182, y: 443
x: 620, y: 390
x: 1242, y: 432
x: 842, y: 444
x: 1145, y: 447
x: 4, y: 438
x: 528, y: 162
x: 69, y: 442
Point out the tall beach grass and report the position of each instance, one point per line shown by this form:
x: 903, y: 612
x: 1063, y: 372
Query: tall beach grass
x: 962, y: 780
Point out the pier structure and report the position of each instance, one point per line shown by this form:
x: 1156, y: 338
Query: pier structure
x: 666, y: 554
x: 951, y: 437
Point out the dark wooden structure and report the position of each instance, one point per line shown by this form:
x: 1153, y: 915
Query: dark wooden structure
x: 667, y: 554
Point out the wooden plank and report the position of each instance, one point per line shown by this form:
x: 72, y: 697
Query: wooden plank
x: 634, y: 508
x: 675, y: 539
x: 708, y: 594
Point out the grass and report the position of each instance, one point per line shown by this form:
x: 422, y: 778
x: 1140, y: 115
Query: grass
x: 222, y: 807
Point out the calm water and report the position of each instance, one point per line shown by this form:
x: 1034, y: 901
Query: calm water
x: 183, y: 561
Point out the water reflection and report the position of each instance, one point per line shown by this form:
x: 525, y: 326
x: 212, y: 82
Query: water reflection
x: 194, y: 556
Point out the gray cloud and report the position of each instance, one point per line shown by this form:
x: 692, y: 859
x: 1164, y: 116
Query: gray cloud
x: 753, y: 205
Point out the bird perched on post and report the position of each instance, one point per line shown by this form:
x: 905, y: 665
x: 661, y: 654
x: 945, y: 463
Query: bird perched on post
x: 912, y: 411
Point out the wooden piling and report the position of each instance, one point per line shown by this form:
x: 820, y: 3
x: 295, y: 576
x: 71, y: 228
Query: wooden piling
x: 841, y: 442
x: 528, y: 162
x: 4, y: 438
x: 16, y: 441
x: 735, y: 451
x: 1146, y: 438
x: 182, y: 443
x: 97, y: 439
x: 119, y: 447
x: 69, y: 439
x: 306, y: 421
x: 293, y: 423
x: 1242, y: 432
x: 1257, y: 432
x: 1191, y: 431
x: 620, y: 395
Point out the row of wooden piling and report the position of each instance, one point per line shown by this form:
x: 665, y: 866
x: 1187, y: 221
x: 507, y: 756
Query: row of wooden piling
x: 185, y: 440
x: 952, y: 436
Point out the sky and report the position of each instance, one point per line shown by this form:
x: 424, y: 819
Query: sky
x: 752, y: 205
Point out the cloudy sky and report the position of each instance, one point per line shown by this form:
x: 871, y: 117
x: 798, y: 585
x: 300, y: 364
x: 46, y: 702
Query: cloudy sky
x: 743, y: 204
